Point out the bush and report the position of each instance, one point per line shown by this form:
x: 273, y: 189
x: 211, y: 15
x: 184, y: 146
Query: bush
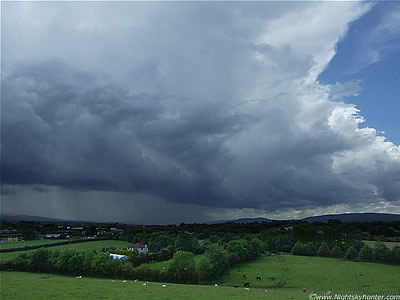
x: 323, y: 250
x: 366, y: 253
x: 337, y: 252
x: 351, y: 253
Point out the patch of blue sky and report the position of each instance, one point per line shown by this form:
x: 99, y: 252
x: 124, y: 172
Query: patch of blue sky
x: 370, y: 55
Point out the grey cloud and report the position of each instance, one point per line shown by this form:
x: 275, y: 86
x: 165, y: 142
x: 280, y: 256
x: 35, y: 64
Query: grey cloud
x: 194, y: 104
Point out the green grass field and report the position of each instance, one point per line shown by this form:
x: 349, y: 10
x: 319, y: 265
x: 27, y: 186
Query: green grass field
x: 390, y: 245
x: 292, y: 274
x: 315, y: 273
x: 163, y: 265
x: 93, y: 245
x: 21, y: 285
x: 22, y: 244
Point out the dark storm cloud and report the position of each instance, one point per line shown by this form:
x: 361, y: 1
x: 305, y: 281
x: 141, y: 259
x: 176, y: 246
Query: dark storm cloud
x: 193, y: 107
x: 59, y: 128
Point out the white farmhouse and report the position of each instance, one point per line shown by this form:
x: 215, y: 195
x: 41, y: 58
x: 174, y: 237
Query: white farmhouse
x: 142, y: 249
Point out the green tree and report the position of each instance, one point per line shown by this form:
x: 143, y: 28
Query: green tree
x: 336, y: 252
x: 351, y: 253
x: 39, y: 260
x: 29, y: 234
x: 381, y: 252
x: 395, y: 255
x: 366, y: 253
x: 298, y: 248
x: 205, y: 269
x: 182, y: 267
x: 323, y: 250
x: 186, y: 242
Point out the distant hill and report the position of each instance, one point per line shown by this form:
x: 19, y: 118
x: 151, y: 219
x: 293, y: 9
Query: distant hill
x: 242, y: 221
x: 355, y: 217
x: 345, y: 218
x: 20, y: 218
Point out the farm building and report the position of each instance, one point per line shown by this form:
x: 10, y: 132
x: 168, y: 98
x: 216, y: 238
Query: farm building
x: 118, y: 256
x: 142, y: 249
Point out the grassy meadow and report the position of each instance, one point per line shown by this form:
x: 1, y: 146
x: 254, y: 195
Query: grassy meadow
x: 22, y: 244
x: 163, y: 265
x: 292, y: 274
x: 390, y: 245
x: 92, y: 245
x: 315, y: 273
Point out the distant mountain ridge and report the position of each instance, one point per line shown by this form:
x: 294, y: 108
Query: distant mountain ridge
x: 355, y: 217
x: 345, y: 218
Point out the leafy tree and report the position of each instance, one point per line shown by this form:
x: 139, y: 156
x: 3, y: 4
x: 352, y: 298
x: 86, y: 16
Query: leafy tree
x: 336, y: 252
x: 186, y: 242
x: 182, y: 267
x: 39, y: 260
x: 395, y: 255
x: 381, y: 252
x: 218, y: 257
x: 323, y: 250
x: 205, y: 269
x: 351, y: 253
x: 29, y: 234
x: 298, y: 248
x: 366, y: 253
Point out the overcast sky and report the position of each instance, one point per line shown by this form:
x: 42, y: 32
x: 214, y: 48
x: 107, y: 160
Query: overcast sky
x: 168, y: 112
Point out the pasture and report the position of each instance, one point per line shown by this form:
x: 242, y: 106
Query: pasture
x: 22, y: 244
x: 390, y: 245
x: 163, y: 265
x: 292, y: 272
x: 21, y: 285
x: 92, y: 245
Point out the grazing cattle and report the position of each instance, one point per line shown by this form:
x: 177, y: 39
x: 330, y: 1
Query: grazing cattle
x: 258, y: 278
x: 246, y: 284
x: 235, y: 286
x: 244, y: 276
x: 272, y: 278
x: 304, y: 290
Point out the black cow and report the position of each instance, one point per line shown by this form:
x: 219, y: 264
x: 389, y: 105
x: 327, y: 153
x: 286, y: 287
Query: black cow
x: 258, y: 278
x: 272, y: 278
x: 246, y: 284
x: 244, y: 276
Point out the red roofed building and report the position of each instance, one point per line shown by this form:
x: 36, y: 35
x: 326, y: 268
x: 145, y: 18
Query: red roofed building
x: 142, y: 249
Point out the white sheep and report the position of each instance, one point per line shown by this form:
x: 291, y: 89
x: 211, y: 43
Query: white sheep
x: 145, y: 284
x: 215, y: 284
x: 247, y: 289
x: 164, y: 285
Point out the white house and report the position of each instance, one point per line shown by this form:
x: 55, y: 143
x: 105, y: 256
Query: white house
x: 118, y: 256
x: 142, y: 249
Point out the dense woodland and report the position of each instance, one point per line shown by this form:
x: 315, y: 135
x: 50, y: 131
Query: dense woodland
x: 224, y: 245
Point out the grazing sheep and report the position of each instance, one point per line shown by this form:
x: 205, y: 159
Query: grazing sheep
x: 124, y: 281
x: 215, y: 284
x: 79, y: 277
x: 145, y: 284
x: 164, y: 285
x: 265, y: 290
x: 247, y: 289
x: 136, y: 280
